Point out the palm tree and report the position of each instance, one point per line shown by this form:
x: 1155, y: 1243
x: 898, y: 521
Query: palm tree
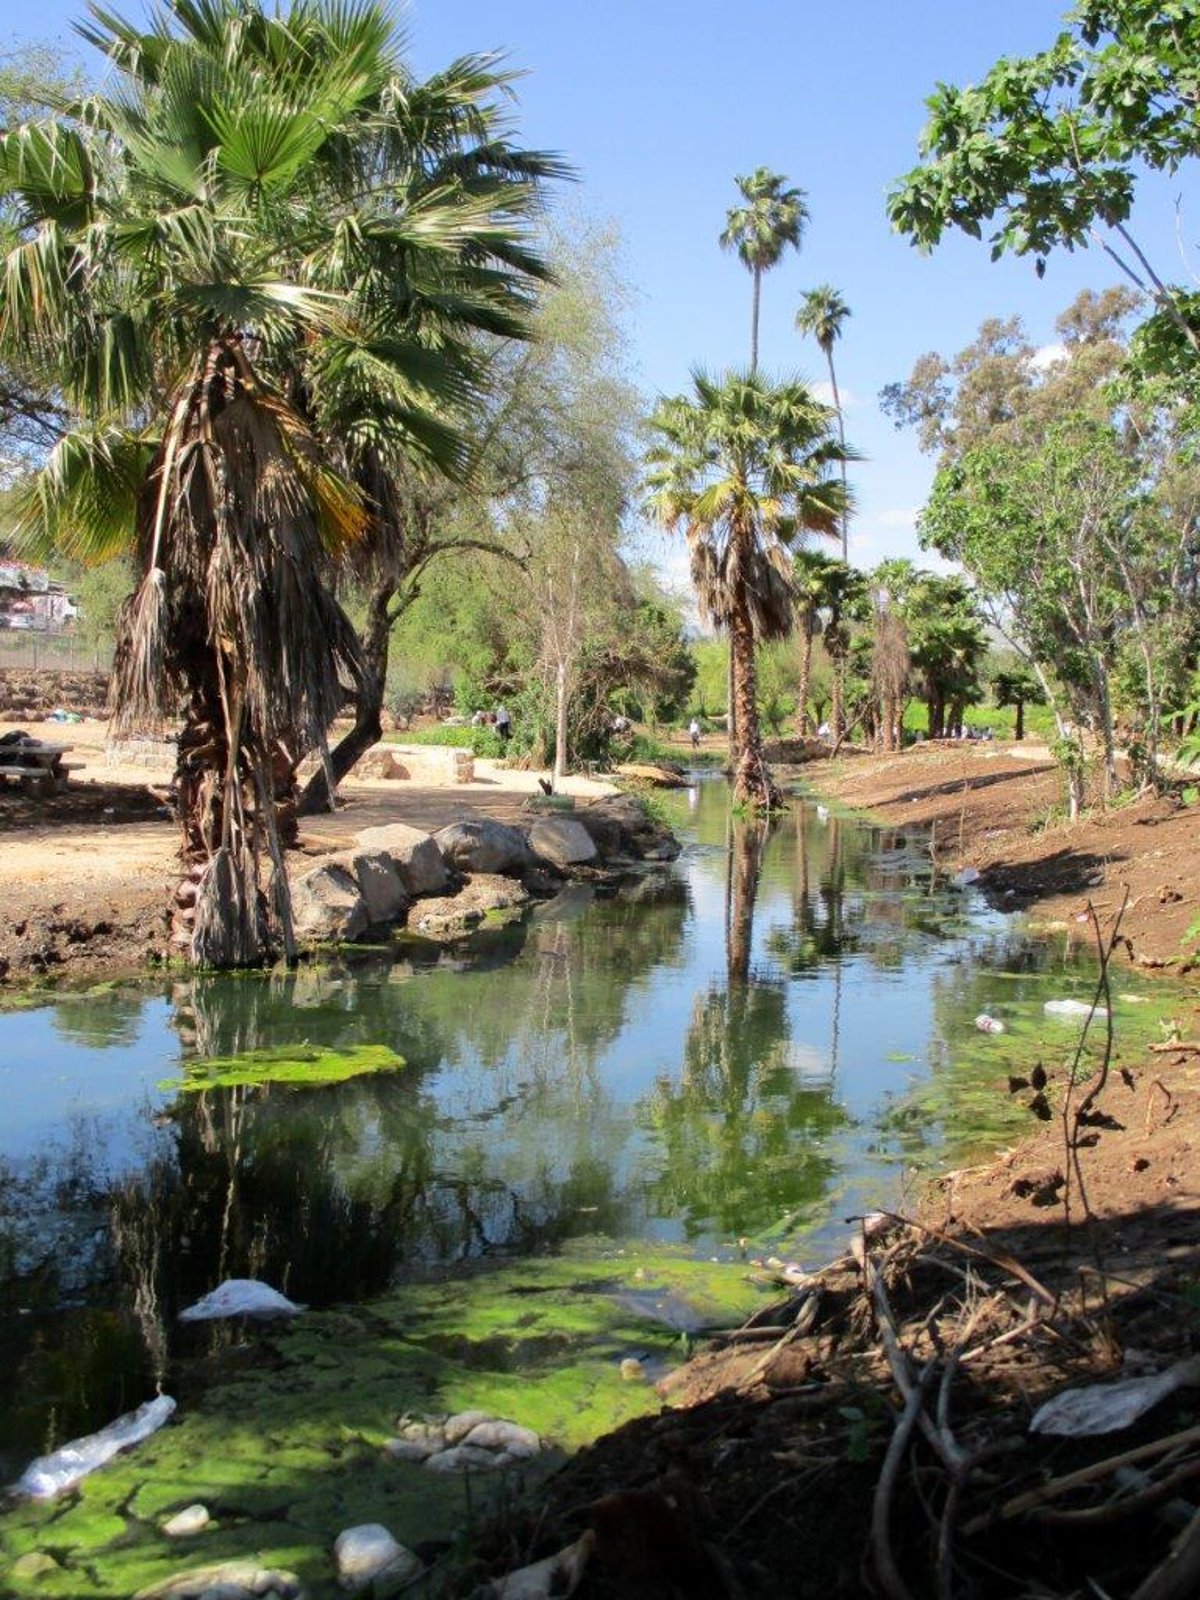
x: 771, y: 219
x: 823, y: 314
x: 742, y: 466
x: 179, y: 277
x: 810, y: 595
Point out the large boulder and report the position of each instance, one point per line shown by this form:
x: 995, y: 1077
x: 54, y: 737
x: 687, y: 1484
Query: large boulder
x: 381, y: 886
x: 328, y: 906
x: 415, y: 855
x: 619, y: 825
x: 451, y: 917
x: 484, y: 846
x: 562, y: 842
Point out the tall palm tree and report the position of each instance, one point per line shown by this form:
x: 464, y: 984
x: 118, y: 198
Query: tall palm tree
x: 823, y: 313
x: 742, y: 466
x: 771, y: 219
x: 810, y: 595
x: 178, y: 275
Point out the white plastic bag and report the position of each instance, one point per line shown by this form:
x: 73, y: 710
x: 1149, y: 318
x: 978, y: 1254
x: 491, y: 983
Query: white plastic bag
x: 1072, y: 1008
x: 240, y: 1297
x: 63, y: 1469
x: 1109, y: 1407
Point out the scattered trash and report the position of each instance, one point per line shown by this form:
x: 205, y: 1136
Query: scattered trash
x: 987, y: 1024
x: 822, y: 814
x: 240, y: 1297
x: 1072, y: 1008
x: 1109, y: 1407
x: 556, y: 1576
x: 966, y: 876
x: 63, y: 1469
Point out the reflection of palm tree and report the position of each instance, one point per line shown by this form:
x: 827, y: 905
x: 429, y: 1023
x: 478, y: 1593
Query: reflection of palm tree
x: 748, y: 840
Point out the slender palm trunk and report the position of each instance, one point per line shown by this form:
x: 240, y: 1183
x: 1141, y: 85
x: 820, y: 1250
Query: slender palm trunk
x: 745, y: 869
x: 806, y: 647
x: 731, y: 722
x: 755, y: 299
x: 838, y: 717
x: 752, y: 784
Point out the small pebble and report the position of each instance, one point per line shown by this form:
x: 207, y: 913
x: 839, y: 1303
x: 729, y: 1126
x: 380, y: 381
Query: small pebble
x: 192, y: 1519
x: 632, y: 1370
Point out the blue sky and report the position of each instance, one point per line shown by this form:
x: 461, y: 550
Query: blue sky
x: 659, y: 103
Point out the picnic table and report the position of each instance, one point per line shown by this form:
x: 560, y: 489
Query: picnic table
x: 36, y: 765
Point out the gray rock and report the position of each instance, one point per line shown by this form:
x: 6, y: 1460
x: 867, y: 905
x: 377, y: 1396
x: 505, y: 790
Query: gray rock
x: 507, y: 1438
x: 465, y: 1458
x: 456, y: 1428
x: 327, y: 904
x: 192, y: 1519
x: 225, y: 1580
x: 562, y: 841
x: 415, y: 855
x: 453, y: 916
x: 368, y: 1553
x: 484, y: 845
x: 34, y: 1564
x: 381, y: 886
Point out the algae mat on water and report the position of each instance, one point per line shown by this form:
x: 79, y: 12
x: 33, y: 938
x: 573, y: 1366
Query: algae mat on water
x: 290, y: 1449
x: 301, y: 1066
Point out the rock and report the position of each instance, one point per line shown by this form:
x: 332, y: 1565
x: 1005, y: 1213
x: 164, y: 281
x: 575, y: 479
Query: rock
x: 380, y: 885
x: 225, y: 1580
x: 192, y: 1519
x: 484, y: 846
x: 562, y: 841
x: 506, y: 1438
x: 327, y: 905
x: 466, y: 1458
x: 619, y: 826
x: 453, y: 916
x: 34, y: 1564
x: 648, y: 772
x: 414, y: 854
x: 456, y: 1428
x: 369, y: 1552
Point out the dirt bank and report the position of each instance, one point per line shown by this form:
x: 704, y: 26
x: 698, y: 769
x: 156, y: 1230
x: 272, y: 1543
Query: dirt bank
x: 997, y: 811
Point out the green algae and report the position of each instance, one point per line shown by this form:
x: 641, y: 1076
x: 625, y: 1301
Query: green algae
x: 302, y: 1066
x: 288, y: 1450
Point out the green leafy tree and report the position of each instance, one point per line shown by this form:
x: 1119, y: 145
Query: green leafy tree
x: 1018, y: 688
x: 770, y: 220
x: 1047, y: 149
x: 814, y: 580
x: 742, y: 467
x: 947, y: 644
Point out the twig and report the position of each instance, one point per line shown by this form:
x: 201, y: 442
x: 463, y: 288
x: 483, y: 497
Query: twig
x: 1031, y: 1498
x: 881, y: 1510
x: 1115, y: 1510
x: 1178, y: 1046
x: 998, y: 1258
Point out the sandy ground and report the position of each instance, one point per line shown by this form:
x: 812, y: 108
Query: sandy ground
x: 84, y: 876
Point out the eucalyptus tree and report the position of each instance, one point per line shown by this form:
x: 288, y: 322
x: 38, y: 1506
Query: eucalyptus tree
x: 743, y: 466
x: 770, y: 220
x: 186, y: 244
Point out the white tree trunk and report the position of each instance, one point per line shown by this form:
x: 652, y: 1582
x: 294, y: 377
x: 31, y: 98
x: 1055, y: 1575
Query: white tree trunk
x: 560, y: 720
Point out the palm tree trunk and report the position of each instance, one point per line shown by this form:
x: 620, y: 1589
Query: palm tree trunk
x: 755, y: 298
x: 731, y: 722
x: 368, y: 709
x: 837, y: 721
x: 805, y: 671
x: 752, y: 784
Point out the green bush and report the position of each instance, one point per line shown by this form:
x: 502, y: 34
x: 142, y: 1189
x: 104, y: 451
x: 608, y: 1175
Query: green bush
x: 481, y: 741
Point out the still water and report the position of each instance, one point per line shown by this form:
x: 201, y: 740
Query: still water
x: 734, y: 1054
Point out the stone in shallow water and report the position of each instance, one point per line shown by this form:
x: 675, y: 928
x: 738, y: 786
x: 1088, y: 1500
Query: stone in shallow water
x: 456, y: 1428
x: 225, y: 1580
x: 192, y: 1519
x: 507, y: 1438
x: 466, y: 1458
x: 368, y: 1552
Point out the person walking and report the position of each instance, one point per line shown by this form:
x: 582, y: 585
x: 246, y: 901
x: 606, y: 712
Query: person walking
x: 503, y: 724
x: 694, y: 730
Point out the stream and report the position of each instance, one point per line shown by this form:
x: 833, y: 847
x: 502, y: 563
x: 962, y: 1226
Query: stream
x: 725, y: 1059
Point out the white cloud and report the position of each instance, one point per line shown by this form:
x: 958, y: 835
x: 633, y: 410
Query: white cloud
x: 823, y: 390
x: 1049, y: 355
x: 903, y: 518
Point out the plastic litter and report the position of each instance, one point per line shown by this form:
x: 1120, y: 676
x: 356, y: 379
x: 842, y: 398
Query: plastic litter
x: 1109, y: 1407
x: 966, y: 876
x: 63, y: 1469
x: 1072, y: 1008
x: 987, y: 1024
x: 556, y: 1576
x: 240, y: 1297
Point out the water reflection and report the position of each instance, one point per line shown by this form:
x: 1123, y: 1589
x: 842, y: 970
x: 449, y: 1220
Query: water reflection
x: 704, y: 1056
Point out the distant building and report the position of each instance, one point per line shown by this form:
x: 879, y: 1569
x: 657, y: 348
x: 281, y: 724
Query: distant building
x: 31, y: 600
